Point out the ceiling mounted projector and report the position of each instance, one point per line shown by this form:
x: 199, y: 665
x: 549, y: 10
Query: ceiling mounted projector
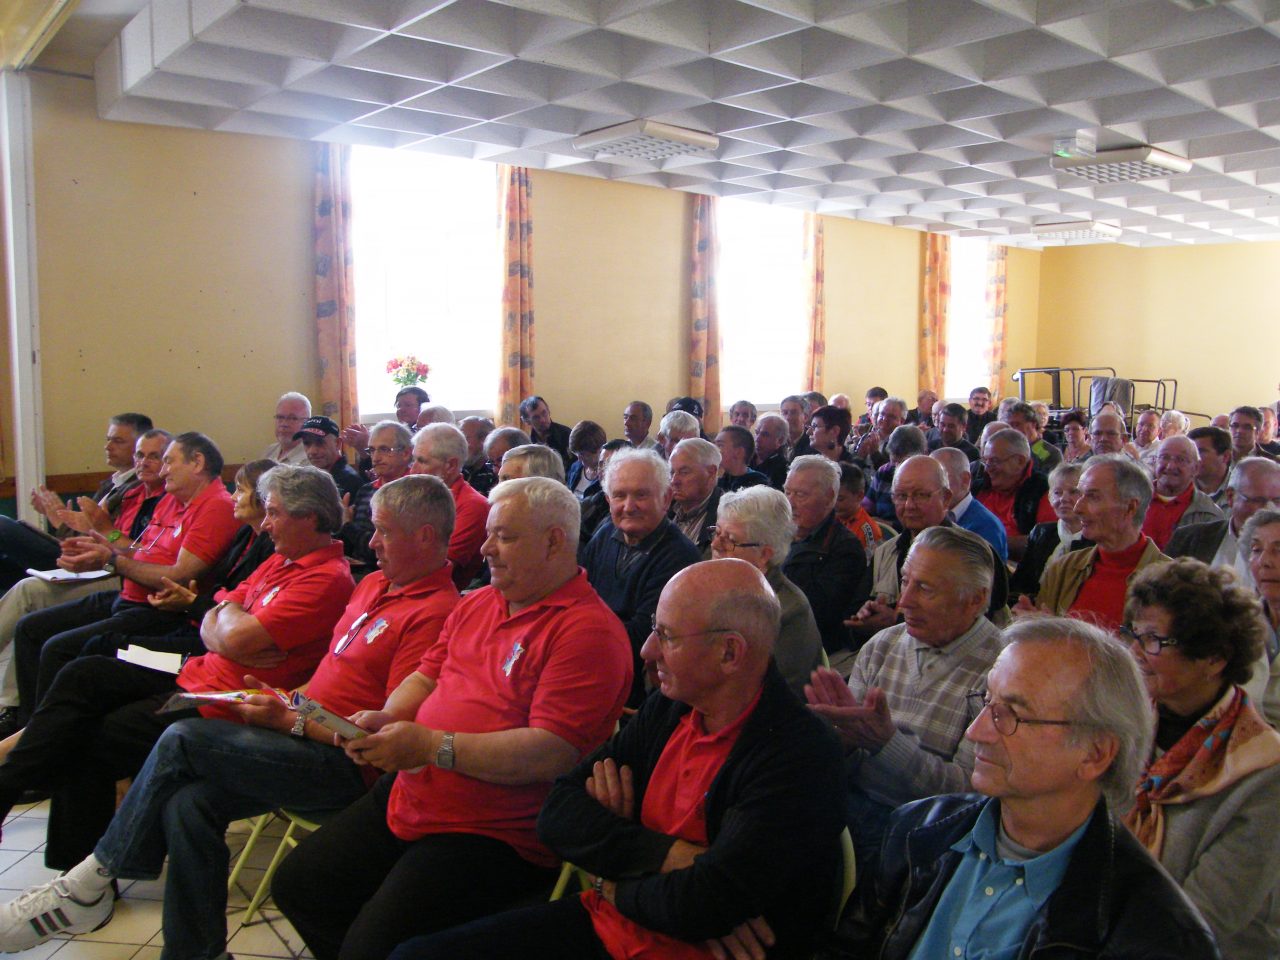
x: 1075, y: 230
x: 1121, y: 166
x: 645, y: 140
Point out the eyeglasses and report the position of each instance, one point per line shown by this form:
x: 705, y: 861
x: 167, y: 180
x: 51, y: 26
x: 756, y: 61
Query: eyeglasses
x: 1097, y: 434
x: 1151, y: 643
x: 281, y: 418
x: 149, y: 457
x: 719, y: 536
x: 383, y: 451
x: 670, y: 642
x: 917, y: 497
x: 1005, y: 719
x: 1179, y: 460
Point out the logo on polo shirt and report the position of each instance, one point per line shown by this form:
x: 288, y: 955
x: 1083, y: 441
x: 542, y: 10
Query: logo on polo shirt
x: 509, y: 664
x: 271, y: 595
x: 376, y: 630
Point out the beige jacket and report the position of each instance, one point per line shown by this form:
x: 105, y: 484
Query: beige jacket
x: 1064, y: 576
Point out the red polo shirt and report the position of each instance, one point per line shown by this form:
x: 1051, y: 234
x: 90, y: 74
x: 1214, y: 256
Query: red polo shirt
x: 1001, y: 504
x: 562, y: 664
x: 1164, y: 513
x: 471, y: 511
x: 132, y: 503
x: 297, y: 602
x: 674, y: 804
x: 205, y: 527
x: 1101, y: 597
x: 380, y: 639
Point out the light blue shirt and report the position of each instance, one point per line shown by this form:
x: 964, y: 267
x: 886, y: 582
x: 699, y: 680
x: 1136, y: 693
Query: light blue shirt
x: 974, y: 517
x: 990, y: 902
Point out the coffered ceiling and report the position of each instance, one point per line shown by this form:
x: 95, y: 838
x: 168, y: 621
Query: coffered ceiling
x: 930, y: 114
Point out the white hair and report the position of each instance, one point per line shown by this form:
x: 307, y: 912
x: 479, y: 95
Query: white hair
x: 650, y: 458
x: 550, y: 503
x: 817, y: 463
x: 294, y: 395
x: 442, y: 440
x: 677, y: 421
x: 541, y: 460
x: 436, y: 413
x: 765, y: 513
x: 704, y: 452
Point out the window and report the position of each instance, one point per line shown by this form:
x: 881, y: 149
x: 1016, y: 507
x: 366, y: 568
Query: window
x: 428, y: 276
x: 968, y: 324
x: 760, y: 281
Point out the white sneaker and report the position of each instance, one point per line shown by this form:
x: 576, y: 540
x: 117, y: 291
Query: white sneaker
x: 47, y: 910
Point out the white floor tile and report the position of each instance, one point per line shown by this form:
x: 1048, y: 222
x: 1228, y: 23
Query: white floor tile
x: 27, y: 872
x: 24, y: 833
x: 135, y: 921
x: 42, y: 952
x: 145, y: 953
x: 260, y: 940
x: 85, y: 950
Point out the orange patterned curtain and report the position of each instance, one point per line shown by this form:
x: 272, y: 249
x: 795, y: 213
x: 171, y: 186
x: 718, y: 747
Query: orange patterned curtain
x: 704, y: 341
x: 814, y: 261
x: 997, y: 288
x: 935, y: 294
x: 335, y: 291
x: 517, y: 294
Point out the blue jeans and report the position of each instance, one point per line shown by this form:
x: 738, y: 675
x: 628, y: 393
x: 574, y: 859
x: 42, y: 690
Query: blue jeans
x: 201, y: 776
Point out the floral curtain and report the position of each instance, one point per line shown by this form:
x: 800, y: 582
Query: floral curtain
x: 997, y: 288
x: 814, y: 262
x: 704, y: 341
x: 516, y: 229
x: 334, y: 289
x: 935, y: 293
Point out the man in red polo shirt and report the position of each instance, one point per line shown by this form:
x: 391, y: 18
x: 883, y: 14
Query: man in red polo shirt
x: 203, y: 774
x: 190, y: 530
x: 440, y: 449
x: 99, y: 720
x: 530, y: 674
x: 1177, y: 502
x: 1011, y: 489
x: 1090, y: 584
x: 720, y: 801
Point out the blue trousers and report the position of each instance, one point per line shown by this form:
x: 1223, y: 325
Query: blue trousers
x: 201, y: 776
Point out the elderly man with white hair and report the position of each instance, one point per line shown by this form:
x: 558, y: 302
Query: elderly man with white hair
x: 826, y: 561
x: 967, y: 512
x: 637, y: 550
x: 1011, y: 488
x: 695, y: 495
x: 531, y: 460
x: 440, y: 449
x: 771, y: 449
x: 755, y: 525
x: 674, y: 427
x: 1177, y: 502
x: 291, y: 409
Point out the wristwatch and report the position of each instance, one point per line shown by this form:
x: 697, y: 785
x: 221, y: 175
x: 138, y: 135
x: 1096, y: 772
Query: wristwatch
x: 299, y: 727
x: 109, y: 567
x: 445, y: 755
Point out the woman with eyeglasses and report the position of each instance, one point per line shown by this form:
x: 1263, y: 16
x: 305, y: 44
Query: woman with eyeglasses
x: 1260, y: 545
x: 1206, y: 804
x: 755, y: 525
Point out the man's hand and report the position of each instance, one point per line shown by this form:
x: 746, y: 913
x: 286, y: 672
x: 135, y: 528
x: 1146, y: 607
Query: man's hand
x: 88, y: 518
x: 264, y: 659
x: 45, y: 502
x: 348, y: 511
x: 612, y: 788
x: 865, y: 725
x: 1024, y: 607
x: 356, y: 436
x: 174, y: 597
x: 681, y: 856
x: 80, y: 554
x: 747, y: 941
x: 264, y: 709
x: 371, y: 720
x: 400, y: 745
x: 875, y: 614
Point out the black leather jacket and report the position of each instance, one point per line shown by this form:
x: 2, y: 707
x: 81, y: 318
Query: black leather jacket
x: 1114, y: 901
x: 1026, y: 502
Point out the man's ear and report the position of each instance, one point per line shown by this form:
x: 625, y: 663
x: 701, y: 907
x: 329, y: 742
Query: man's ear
x: 555, y: 541
x: 734, y: 653
x: 1100, y: 753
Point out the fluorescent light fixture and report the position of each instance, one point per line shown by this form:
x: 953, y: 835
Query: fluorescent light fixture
x: 645, y: 140
x: 1075, y: 230
x: 26, y: 28
x: 1121, y: 166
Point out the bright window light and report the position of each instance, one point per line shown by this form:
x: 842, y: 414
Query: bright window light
x: 760, y: 282
x: 968, y: 323
x: 427, y: 275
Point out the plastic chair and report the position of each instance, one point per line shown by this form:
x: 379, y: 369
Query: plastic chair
x: 849, y: 875
x: 567, y: 872
x: 259, y: 824
x: 297, y: 822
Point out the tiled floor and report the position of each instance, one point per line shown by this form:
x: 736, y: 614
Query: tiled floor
x: 134, y: 931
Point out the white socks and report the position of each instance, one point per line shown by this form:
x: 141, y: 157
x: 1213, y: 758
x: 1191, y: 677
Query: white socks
x: 87, y: 880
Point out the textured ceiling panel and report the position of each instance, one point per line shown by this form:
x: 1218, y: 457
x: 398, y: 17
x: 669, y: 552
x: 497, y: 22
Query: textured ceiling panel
x: 929, y: 114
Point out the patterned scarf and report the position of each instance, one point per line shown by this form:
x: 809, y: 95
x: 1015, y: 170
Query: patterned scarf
x: 1227, y: 744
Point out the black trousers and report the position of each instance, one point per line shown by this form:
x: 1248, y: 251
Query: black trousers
x: 97, y: 725
x: 354, y: 891
x: 47, y: 640
x: 544, y: 931
x: 22, y: 547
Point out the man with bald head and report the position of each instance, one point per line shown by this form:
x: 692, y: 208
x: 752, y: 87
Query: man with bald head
x: 1108, y: 434
x: 719, y: 800
x: 440, y: 449
x: 967, y: 512
x: 1254, y: 485
x: 1011, y: 488
x: 1177, y: 502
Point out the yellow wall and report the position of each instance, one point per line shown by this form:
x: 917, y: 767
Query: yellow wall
x: 175, y: 276
x: 1022, y: 320
x: 1204, y: 315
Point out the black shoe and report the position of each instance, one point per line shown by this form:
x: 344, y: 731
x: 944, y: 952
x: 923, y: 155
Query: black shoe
x: 9, y: 722
x: 34, y: 796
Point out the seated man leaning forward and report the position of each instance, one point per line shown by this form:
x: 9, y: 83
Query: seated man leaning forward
x: 99, y: 722
x: 203, y: 774
x: 710, y: 822
x: 1040, y: 866
x: 529, y: 676
x: 637, y: 550
x: 903, y: 714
